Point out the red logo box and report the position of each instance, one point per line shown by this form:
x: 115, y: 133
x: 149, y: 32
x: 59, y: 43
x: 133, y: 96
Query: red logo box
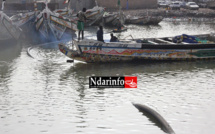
x: 130, y: 82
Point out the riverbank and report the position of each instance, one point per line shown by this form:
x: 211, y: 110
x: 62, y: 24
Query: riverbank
x: 202, y: 12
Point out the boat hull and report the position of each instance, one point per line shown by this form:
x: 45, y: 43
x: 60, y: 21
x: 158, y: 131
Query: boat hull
x: 94, y: 15
x: 94, y: 51
x: 148, y: 20
x: 22, y: 20
x: 136, y: 20
x: 7, y: 29
x: 52, y: 26
x: 112, y: 19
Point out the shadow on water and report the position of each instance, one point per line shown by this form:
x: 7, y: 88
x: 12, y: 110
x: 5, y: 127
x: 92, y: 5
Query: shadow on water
x: 154, y: 120
x: 9, y: 50
x: 80, y: 72
x: 132, y: 68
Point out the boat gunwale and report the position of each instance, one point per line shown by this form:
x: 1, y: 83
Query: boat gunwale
x: 160, y: 47
x: 149, y: 45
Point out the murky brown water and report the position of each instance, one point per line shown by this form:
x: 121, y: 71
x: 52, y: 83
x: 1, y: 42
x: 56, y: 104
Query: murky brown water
x: 44, y: 94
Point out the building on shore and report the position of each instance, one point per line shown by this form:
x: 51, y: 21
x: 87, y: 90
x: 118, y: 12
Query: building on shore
x: 79, y: 4
x: 128, y: 4
x: 53, y: 4
x: 188, y: 0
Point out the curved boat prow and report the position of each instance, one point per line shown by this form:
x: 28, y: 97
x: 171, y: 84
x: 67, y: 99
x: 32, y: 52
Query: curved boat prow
x: 156, y: 117
x: 73, y: 54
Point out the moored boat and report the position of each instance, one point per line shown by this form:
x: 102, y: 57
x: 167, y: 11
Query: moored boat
x: 136, y: 20
x: 112, y: 19
x: 154, y: 20
x: 94, y: 15
x: 145, y: 20
x: 168, y: 48
x: 23, y: 18
x: 50, y: 24
x: 7, y: 29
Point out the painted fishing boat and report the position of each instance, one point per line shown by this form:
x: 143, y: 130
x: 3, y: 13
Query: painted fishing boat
x: 93, y: 15
x: 112, y: 19
x: 179, y: 48
x: 146, y: 20
x: 7, y: 29
x: 154, y: 20
x: 67, y: 12
x: 50, y: 24
x: 136, y: 20
x: 23, y: 18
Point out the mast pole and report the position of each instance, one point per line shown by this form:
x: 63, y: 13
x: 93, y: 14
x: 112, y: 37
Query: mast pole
x: 96, y: 3
x: 35, y: 6
x: 2, y: 8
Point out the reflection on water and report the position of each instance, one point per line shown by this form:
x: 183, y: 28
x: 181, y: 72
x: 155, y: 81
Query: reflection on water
x: 9, y: 51
x: 44, y: 94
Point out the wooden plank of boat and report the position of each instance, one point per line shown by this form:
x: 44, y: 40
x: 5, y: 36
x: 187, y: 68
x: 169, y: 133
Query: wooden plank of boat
x: 170, y: 38
x: 14, y: 31
x: 152, y: 42
x: 184, y: 43
x: 164, y: 41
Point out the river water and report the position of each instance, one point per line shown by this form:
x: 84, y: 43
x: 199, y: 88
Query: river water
x: 41, y: 93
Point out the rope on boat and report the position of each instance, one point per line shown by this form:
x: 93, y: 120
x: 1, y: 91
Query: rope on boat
x: 128, y: 36
x: 30, y: 48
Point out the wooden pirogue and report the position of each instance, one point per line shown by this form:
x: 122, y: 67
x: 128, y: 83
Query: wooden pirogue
x: 183, y: 47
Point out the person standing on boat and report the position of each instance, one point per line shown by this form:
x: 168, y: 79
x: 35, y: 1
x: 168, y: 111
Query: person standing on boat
x: 119, y: 25
x: 100, y: 34
x: 113, y: 38
x: 81, y: 20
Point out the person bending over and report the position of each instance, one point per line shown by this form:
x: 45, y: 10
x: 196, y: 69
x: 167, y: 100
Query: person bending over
x: 113, y: 38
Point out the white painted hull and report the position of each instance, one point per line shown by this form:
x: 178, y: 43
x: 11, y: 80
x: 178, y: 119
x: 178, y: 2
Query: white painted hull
x: 7, y: 29
x: 21, y: 19
x: 50, y: 24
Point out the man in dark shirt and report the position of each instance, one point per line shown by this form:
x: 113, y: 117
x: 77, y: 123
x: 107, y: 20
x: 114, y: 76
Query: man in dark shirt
x: 119, y: 25
x: 100, y: 34
x: 113, y: 38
